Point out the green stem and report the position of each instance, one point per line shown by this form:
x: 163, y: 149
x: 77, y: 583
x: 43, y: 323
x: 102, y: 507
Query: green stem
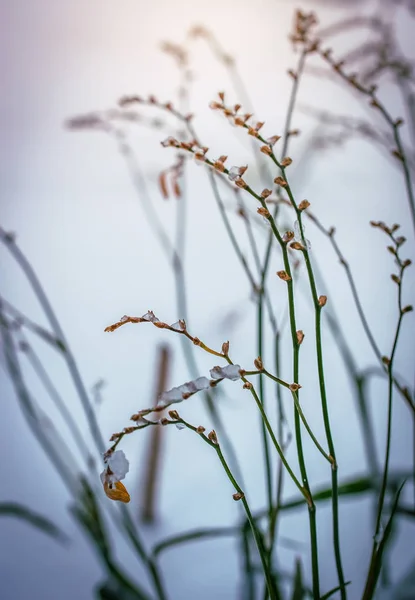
x: 254, y: 529
x: 265, y: 443
x: 370, y: 587
x: 323, y: 396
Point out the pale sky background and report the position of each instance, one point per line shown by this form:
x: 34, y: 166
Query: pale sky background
x: 70, y: 201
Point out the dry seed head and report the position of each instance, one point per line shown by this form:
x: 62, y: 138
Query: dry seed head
x: 280, y: 181
x: 304, y: 204
x: 286, y: 162
x: 265, y: 193
x: 219, y: 166
x: 297, y: 246
x: 170, y: 141
x: 225, y: 348
x: 196, y: 341
x: 253, y: 131
x: 128, y: 430
x: 240, y: 183
x: 173, y: 414
x: 239, y: 121
x: 258, y: 364
x: 288, y: 236
x: 127, y: 100
x: 273, y: 139
x: 395, y: 278
x: 115, y: 437
x: 266, y: 150
x: 215, y: 105
x: 213, y: 437
x: 259, y: 125
x: 200, y: 429
x: 407, y: 263
x: 136, y: 417
x: 292, y: 74
x: 164, y: 421
x: 400, y: 240
x: 247, y: 385
x: 294, y: 387
x: 386, y: 361
x: 238, y: 496
x: 322, y: 300
x: 264, y: 212
x: 300, y: 336
x: 391, y: 249
x: 283, y: 275
x: 407, y: 309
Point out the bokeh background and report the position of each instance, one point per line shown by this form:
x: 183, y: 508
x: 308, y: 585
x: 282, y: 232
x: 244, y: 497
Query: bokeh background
x: 70, y: 200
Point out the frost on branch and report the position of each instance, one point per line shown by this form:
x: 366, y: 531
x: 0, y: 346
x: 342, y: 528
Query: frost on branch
x: 231, y: 372
x: 182, y: 392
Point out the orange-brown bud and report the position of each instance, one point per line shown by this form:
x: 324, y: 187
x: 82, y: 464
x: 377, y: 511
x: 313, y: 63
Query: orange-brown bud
x: 283, y: 275
x: 303, y: 205
x: 280, y: 181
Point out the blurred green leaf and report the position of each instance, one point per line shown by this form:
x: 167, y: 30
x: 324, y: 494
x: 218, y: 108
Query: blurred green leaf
x: 377, y: 555
x: 334, y: 590
x: 110, y: 590
x: 298, y: 589
x: 353, y: 487
x: 13, y: 509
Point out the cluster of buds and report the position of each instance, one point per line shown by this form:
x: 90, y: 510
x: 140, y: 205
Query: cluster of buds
x: 179, y: 326
x: 236, y: 118
x: 151, y: 100
x: 381, y: 225
x: 176, y: 51
x: 303, y: 24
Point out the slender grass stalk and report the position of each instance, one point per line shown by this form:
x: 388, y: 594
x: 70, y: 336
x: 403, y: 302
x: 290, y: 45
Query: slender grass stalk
x: 394, y: 124
x: 69, y: 358
x: 323, y: 396
x: 370, y: 586
x: 211, y: 440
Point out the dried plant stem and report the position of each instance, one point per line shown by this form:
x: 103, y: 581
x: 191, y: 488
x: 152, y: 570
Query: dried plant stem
x: 393, y: 124
x: 152, y: 469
